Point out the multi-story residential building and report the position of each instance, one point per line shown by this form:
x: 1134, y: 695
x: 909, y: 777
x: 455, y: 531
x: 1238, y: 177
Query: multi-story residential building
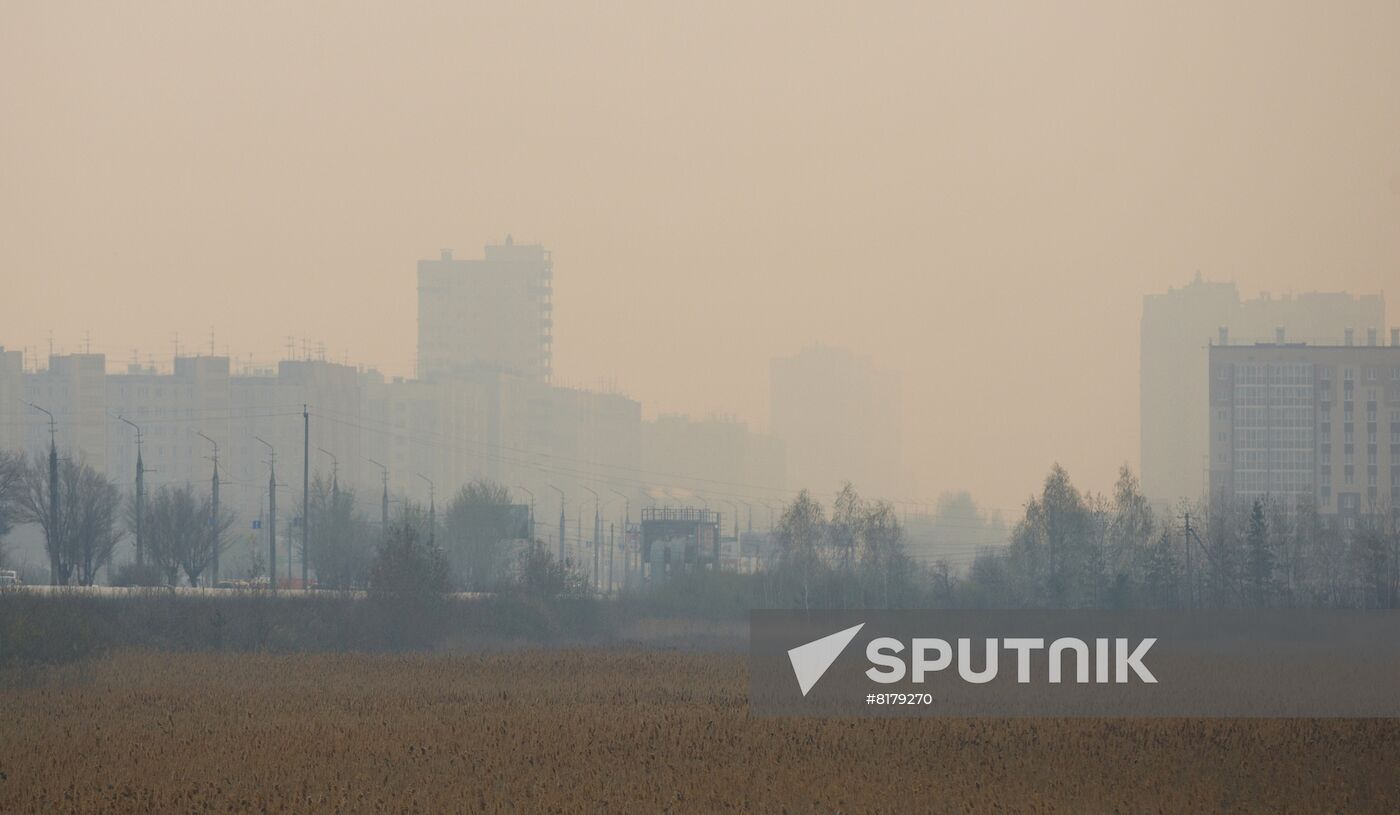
x: 74, y: 390
x: 12, y: 407
x: 494, y: 313
x: 1178, y: 326
x: 483, y: 409
x: 171, y: 410
x: 1293, y: 422
x: 722, y: 456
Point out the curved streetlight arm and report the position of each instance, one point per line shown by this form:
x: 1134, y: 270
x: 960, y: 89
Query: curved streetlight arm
x: 270, y: 449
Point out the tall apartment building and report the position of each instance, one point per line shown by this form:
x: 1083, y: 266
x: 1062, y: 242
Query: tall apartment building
x: 483, y: 408
x: 491, y: 313
x: 74, y: 390
x: 1178, y: 327
x: 12, y: 407
x: 722, y: 455
x: 171, y: 409
x: 1294, y: 421
x: 839, y: 416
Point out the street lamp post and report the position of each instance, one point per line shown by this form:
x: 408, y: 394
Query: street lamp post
x: 51, y: 534
x: 596, y: 500
x: 271, y: 514
x: 384, y: 501
x: 213, y: 510
x: 562, y: 506
x: 626, y: 519
x: 141, y: 493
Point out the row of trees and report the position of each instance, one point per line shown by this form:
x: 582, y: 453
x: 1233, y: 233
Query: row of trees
x: 1080, y: 550
x: 83, y: 527
x: 473, y: 535
x: 1076, y: 549
x: 855, y: 557
x: 1070, y: 549
x: 182, y: 537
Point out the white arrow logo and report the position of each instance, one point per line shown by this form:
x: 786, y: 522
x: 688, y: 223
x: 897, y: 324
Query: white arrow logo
x: 810, y: 661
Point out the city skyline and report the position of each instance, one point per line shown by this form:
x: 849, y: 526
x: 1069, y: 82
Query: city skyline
x: 1322, y: 312
x: 993, y: 236
x: 474, y: 404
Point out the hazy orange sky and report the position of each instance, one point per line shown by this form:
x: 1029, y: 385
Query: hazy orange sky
x: 975, y: 194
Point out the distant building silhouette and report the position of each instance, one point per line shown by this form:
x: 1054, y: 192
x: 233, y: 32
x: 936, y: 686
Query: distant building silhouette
x: 482, y: 407
x: 1178, y: 327
x: 493, y: 313
x: 1295, y: 422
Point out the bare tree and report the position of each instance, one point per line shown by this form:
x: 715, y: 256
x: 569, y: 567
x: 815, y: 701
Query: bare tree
x: 342, y: 540
x: 407, y: 565
x: 884, y: 562
x: 202, y: 549
x: 179, y: 532
x: 11, y: 482
x: 479, y: 524
x: 86, y: 530
x: 801, y: 537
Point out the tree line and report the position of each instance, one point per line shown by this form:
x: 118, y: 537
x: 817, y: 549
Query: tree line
x: 1069, y: 549
x: 181, y: 535
x: 1074, y: 549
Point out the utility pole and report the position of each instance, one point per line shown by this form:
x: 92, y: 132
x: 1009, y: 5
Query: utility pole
x: 626, y: 518
x: 52, y: 531
x: 271, y: 514
x: 1190, y: 577
x: 432, y: 510
x: 140, y: 496
x: 612, y: 531
x: 734, y: 505
x: 561, y: 521
x: 749, y: 529
x: 334, y: 507
x: 214, y: 510
x: 305, y: 493
x: 1193, y: 536
x: 597, y: 578
x: 335, y: 471
x: 384, y: 501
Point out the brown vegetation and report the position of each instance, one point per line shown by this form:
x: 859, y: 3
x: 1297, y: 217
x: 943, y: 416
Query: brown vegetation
x: 627, y: 730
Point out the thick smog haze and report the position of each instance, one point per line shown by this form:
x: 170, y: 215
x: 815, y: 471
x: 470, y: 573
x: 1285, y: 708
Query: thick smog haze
x: 977, y: 196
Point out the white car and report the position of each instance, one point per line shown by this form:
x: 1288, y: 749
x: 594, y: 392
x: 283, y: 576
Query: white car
x: 9, y: 577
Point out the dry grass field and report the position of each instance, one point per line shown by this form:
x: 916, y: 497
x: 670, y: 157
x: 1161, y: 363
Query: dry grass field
x: 623, y: 730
